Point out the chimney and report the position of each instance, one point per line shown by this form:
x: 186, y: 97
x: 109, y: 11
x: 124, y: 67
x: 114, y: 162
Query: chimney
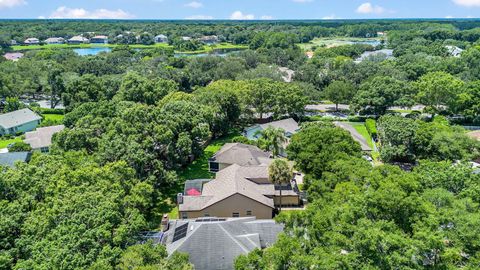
x: 179, y: 198
x: 165, y: 223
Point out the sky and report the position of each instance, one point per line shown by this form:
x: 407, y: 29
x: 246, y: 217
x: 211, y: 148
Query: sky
x: 238, y: 9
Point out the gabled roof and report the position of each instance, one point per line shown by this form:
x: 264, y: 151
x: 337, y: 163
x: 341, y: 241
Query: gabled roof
x: 78, y: 38
x: 54, y: 39
x: 289, y: 125
x: 241, y: 154
x: 42, y: 137
x: 9, y: 159
x: 474, y: 135
x: 216, y: 244
x: 17, y: 118
x: 228, y: 182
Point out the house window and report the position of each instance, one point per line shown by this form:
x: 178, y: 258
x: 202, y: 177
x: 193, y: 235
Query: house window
x: 235, y: 215
x: 214, y: 167
x: 184, y: 215
x: 249, y: 213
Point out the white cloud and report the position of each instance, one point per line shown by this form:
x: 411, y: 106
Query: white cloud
x: 368, y: 8
x: 64, y: 12
x: 266, y: 17
x: 199, y: 17
x: 302, y: 1
x: 194, y: 4
x: 331, y: 17
x: 11, y: 3
x: 467, y: 3
x: 238, y: 15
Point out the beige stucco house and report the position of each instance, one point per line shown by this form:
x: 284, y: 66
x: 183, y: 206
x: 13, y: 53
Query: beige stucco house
x: 236, y: 191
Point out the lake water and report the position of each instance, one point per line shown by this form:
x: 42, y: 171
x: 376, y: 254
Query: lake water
x: 95, y: 51
x: 91, y: 51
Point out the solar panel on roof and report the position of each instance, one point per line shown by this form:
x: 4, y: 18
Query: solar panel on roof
x: 180, y: 232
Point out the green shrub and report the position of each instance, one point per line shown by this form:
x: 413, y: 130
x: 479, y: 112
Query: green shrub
x: 370, y: 124
x: 19, y: 147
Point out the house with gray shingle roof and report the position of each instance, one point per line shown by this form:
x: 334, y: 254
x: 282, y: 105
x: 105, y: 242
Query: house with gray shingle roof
x: 18, y: 122
x: 9, y: 159
x: 41, y: 138
x: 238, y: 153
x: 236, y: 191
x: 290, y: 126
x: 214, y: 243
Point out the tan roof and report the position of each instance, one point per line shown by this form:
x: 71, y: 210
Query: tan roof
x: 42, y: 137
x: 241, y: 154
x: 230, y: 181
x: 474, y: 134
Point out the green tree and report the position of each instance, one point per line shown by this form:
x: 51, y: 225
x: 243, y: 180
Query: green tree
x: 280, y: 173
x: 339, y: 92
x: 437, y: 89
x: 273, y: 139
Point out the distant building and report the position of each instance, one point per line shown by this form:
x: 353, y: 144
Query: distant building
x: 309, y: 55
x: 99, y: 39
x: 31, y: 41
x: 238, y: 153
x: 13, y: 56
x: 55, y: 40
x: 9, y: 159
x: 381, y: 34
x: 18, y: 121
x: 41, y: 138
x: 161, y: 39
x: 186, y: 38
x: 78, y: 40
x: 13, y: 42
x: 209, y: 40
x: 290, y: 126
x: 454, y: 51
x: 384, y: 54
x: 214, y: 243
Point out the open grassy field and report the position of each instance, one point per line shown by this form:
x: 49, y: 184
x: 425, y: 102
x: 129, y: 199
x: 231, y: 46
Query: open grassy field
x: 335, y: 42
x: 5, y: 143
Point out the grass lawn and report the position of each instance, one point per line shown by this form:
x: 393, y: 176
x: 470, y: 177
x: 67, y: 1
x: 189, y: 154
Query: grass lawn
x: 54, y: 117
x: 360, y: 127
x: 5, y: 143
x: 334, y: 42
x: 198, y: 169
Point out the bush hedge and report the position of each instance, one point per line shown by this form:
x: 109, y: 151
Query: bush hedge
x: 370, y: 124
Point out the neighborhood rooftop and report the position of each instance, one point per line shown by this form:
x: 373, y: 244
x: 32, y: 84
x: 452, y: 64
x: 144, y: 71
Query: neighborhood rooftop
x: 215, y: 243
x: 230, y: 181
x: 241, y: 154
x: 42, y: 137
x: 9, y: 159
x: 16, y: 118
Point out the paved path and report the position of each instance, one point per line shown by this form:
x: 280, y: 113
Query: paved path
x: 355, y: 134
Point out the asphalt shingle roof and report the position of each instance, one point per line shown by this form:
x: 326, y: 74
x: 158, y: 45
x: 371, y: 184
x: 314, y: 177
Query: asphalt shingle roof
x: 229, y: 181
x: 241, y: 154
x: 17, y: 118
x: 9, y: 159
x: 42, y: 137
x: 215, y: 245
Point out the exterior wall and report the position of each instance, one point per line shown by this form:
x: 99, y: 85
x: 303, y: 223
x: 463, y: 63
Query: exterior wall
x: 22, y: 128
x: 287, y: 200
x: 233, y: 204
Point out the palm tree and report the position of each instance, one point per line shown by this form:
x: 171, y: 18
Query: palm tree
x: 280, y: 172
x: 274, y: 139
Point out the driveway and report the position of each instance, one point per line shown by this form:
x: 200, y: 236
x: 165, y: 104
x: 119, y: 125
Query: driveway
x: 356, y: 136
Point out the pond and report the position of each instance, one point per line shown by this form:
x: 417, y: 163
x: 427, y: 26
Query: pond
x: 97, y: 50
x: 91, y: 51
